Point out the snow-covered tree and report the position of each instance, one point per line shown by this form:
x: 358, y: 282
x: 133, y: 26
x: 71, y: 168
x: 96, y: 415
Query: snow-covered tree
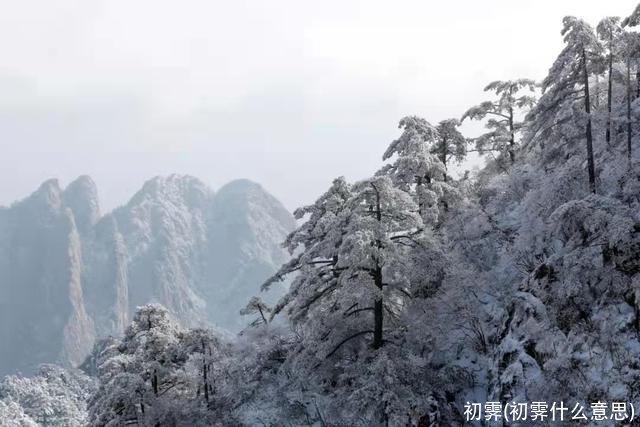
x: 609, y: 32
x: 381, y: 221
x: 568, y: 83
x: 351, y: 258
x: 320, y: 236
x: 256, y: 306
x: 633, y: 19
x: 135, y: 372
x: 502, y: 115
x: 54, y: 397
x: 417, y: 168
x: 450, y: 143
x: 206, y: 363
x: 159, y: 374
x: 629, y: 52
x: 265, y: 389
x: 13, y: 415
x: 352, y: 282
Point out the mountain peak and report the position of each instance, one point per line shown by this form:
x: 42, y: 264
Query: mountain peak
x: 173, y: 188
x: 241, y: 184
x: 81, y: 196
x: 83, y: 181
x: 254, y: 201
x: 199, y: 253
x: 49, y: 193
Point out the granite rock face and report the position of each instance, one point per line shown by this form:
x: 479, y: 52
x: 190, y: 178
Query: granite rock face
x: 69, y: 275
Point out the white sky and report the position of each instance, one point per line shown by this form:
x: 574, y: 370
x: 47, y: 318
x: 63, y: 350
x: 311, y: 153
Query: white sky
x: 287, y: 93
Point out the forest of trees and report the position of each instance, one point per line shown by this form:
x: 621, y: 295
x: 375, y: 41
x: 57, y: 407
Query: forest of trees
x: 414, y: 291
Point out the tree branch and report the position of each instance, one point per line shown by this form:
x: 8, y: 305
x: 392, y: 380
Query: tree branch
x: 344, y: 341
x: 358, y: 311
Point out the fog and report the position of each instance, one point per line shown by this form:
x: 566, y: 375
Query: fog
x: 286, y: 93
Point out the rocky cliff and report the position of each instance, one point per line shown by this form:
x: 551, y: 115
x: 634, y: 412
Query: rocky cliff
x: 69, y: 275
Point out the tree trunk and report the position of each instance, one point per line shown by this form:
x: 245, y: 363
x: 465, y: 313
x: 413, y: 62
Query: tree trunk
x: 636, y: 309
x: 204, y: 373
x: 608, y: 133
x: 154, y: 382
x: 420, y: 201
x: 596, y: 95
x: 264, y: 319
x: 378, y: 311
x: 629, y: 111
x: 512, y: 138
x: 443, y: 159
x: 587, y: 107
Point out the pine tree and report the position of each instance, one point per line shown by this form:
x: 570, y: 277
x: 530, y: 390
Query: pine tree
x: 568, y: 83
x: 320, y: 236
x: 256, y: 306
x: 417, y: 167
x: 450, y: 143
x: 628, y: 51
x: 502, y: 115
x: 161, y: 374
x: 633, y: 20
x: 609, y: 31
x: 135, y: 372
x: 350, y: 263
x: 381, y: 217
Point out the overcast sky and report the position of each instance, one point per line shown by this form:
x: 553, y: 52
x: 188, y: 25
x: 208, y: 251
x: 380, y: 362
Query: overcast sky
x: 287, y: 93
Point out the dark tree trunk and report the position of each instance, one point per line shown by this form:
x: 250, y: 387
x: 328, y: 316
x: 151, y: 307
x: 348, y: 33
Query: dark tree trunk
x: 378, y: 314
x: 587, y: 107
x: 204, y: 373
x: 443, y: 159
x: 629, y: 111
x: 264, y: 319
x: 512, y: 138
x: 154, y: 382
x: 636, y: 309
x: 378, y: 309
x: 608, y: 132
x: 420, y: 201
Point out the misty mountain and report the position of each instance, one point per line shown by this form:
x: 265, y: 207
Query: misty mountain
x: 70, y: 275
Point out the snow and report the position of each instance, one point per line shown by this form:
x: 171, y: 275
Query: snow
x: 410, y: 293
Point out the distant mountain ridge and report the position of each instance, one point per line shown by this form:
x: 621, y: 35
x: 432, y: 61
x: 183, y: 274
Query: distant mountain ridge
x: 69, y: 275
